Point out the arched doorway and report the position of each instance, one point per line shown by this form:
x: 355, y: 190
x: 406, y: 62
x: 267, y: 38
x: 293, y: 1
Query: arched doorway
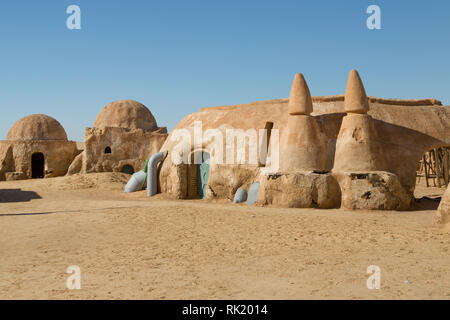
x: 37, y: 166
x: 127, y: 169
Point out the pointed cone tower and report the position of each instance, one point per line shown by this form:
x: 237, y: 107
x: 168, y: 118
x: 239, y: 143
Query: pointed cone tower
x: 358, y: 146
x: 355, y: 96
x: 300, y: 101
x: 303, y: 146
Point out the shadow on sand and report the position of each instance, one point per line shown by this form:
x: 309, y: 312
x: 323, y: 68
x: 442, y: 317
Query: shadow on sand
x: 28, y: 214
x: 65, y: 212
x: 427, y: 203
x: 17, y: 195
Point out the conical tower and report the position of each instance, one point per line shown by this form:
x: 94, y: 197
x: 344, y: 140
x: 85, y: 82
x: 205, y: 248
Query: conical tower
x: 358, y: 147
x: 303, y: 147
x: 355, y: 95
x: 300, y: 102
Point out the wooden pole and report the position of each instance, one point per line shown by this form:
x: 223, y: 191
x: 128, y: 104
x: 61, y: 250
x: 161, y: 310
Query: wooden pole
x: 419, y: 174
x: 431, y: 166
x: 446, y: 156
x: 437, y: 166
x: 426, y: 170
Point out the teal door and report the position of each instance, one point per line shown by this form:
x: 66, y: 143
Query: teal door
x: 203, y: 175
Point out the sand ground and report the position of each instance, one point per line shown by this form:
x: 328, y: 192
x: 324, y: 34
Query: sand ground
x: 130, y: 247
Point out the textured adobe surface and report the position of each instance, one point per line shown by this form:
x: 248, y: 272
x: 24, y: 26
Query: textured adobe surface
x: 125, y: 134
x: 37, y: 127
x: 37, y: 133
x: 300, y: 190
x: 443, y: 212
x: 373, y: 191
x: 128, y: 114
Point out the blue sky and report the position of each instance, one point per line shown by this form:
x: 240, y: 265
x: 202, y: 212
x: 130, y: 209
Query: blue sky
x: 179, y: 56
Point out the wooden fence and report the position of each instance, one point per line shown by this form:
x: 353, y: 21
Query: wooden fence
x: 434, y: 167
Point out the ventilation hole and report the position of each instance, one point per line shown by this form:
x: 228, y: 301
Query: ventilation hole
x: 359, y: 176
x: 366, y: 195
x: 128, y: 169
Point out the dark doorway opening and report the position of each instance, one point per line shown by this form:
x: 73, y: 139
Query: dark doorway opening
x: 37, y: 166
x: 127, y: 169
x: 107, y: 150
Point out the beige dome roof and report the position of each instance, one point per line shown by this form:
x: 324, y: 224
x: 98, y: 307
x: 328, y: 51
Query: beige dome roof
x: 37, y: 127
x: 127, y: 114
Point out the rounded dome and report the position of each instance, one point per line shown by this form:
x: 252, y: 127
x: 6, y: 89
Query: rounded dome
x: 127, y: 114
x: 37, y: 127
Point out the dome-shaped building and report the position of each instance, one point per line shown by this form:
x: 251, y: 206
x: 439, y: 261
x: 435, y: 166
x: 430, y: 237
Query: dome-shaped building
x: 125, y: 134
x: 37, y: 127
x: 36, y: 147
x: 127, y: 114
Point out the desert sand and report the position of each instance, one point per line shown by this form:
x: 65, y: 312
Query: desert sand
x: 131, y: 247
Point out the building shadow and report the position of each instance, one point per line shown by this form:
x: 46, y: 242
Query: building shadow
x: 426, y: 203
x: 17, y: 195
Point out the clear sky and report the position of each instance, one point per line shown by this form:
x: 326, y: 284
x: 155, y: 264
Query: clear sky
x: 178, y: 56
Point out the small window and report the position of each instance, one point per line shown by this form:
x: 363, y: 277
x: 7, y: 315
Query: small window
x: 107, y: 150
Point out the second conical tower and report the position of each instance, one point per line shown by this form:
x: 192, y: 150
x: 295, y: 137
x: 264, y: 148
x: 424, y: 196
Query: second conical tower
x: 358, y: 146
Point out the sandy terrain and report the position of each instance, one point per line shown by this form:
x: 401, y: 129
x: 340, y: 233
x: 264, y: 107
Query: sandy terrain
x: 129, y: 247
